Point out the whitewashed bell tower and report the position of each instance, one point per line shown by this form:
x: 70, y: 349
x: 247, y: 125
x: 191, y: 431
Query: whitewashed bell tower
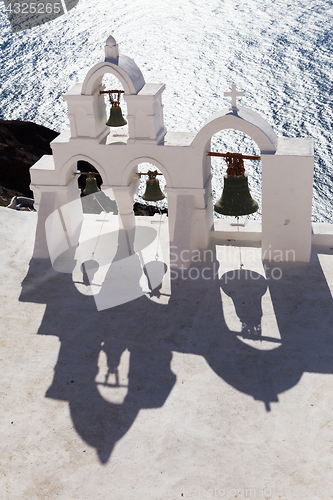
x: 287, y: 166
x: 86, y: 109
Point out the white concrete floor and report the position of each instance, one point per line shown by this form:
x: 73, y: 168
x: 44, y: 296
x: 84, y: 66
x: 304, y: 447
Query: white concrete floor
x: 217, y: 388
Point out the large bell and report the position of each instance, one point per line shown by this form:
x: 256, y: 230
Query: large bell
x: 91, y: 185
x: 153, y: 191
x: 116, y: 117
x: 236, y: 199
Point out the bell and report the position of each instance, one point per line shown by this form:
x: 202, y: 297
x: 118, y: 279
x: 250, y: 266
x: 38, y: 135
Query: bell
x: 91, y: 185
x: 236, y: 199
x: 153, y: 191
x: 116, y: 117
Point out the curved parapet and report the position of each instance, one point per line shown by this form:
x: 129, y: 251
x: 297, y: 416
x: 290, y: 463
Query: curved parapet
x: 124, y: 68
x: 243, y: 119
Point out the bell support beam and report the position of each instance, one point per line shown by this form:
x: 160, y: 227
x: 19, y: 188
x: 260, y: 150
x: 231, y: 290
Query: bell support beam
x: 225, y: 155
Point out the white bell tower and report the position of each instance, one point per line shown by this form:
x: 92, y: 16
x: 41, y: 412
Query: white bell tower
x: 287, y: 167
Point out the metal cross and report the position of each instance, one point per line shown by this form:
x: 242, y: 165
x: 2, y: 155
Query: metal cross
x: 233, y: 94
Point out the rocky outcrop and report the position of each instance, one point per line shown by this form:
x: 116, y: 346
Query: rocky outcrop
x: 21, y: 145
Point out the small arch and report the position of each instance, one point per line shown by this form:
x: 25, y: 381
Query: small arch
x: 100, y: 201
x: 126, y: 71
x: 110, y: 81
x: 129, y: 170
x: 66, y: 168
x: 244, y: 120
x: 85, y: 167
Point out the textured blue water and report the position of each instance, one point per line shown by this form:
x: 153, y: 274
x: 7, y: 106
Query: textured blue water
x: 278, y: 53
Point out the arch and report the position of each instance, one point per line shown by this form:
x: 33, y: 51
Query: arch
x: 127, y: 174
x: 244, y: 120
x: 69, y: 163
x: 126, y: 71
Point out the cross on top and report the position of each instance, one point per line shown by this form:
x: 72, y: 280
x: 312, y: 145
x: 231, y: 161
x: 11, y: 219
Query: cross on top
x: 233, y: 94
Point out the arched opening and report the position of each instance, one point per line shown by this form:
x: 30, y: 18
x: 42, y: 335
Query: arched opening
x: 245, y: 296
x: 144, y: 207
x: 111, y: 82
x: 234, y: 141
x: 100, y: 202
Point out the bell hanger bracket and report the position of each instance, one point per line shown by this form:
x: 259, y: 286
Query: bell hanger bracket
x: 152, y: 174
x: 91, y: 175
x: 234, y: 161
x: 114, y: 102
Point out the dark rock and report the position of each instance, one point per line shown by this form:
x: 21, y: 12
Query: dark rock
x: 6, y: 196
x: 148, y: 210
x: 21, y: 145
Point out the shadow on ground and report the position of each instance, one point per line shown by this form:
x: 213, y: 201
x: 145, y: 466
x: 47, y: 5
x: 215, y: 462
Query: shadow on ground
x: 192, y: 322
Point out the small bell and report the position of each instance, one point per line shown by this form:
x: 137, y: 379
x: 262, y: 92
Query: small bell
x: 91, y: 184
x: 153, y: 191
x: 116, y: 117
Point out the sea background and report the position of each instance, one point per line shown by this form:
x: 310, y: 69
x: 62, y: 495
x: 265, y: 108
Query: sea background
x: 277, y: 52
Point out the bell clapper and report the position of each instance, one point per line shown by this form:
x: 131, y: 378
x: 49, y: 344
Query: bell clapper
x: 153, y: 193
x: 159, y: 231
x: 240, y: 249
x: 105, y: 213
x: 241, y: 221
x: 100, y: 204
